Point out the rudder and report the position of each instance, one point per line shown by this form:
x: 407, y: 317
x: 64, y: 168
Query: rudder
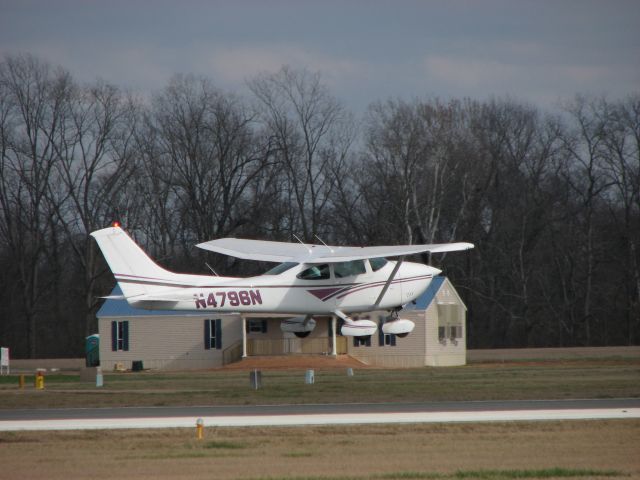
x: 134, y: 271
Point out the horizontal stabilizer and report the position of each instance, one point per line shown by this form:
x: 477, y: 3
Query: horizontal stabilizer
x: 148, y: 298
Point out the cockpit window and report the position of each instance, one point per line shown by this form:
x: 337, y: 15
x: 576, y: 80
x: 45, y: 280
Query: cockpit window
x: 316, y: 272
x: 348, y: 269
x: 377, y: 263
x: 278, y: 269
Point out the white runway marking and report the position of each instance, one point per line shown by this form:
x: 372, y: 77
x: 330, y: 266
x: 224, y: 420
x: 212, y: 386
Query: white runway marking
x: 321, y: 419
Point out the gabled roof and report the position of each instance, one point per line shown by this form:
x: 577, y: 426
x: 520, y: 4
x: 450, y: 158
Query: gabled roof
x: 424, y: 300
x: 113, y: 307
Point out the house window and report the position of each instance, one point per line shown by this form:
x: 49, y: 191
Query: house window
x: 455, y: 331
x: 256, y: 326
x: 120, y: 336
x: 385, y: 339
x: 212, y: 334
x: 449, y: 322
x: 362, y: 341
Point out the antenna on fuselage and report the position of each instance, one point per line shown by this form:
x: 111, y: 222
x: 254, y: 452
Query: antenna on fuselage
x: 212, y: 270
x: 301, y: 242
x: 330, y: 249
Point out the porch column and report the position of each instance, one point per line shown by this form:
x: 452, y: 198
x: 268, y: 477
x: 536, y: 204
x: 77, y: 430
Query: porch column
x: 334, y: 350
x: 244, y: 337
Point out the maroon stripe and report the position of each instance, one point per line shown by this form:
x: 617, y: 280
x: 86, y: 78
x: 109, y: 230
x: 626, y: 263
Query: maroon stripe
x: 349, y: 287
x: 364, y: 287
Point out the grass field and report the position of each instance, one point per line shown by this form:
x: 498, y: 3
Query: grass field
x: 576, y: 449
x: 486, y: 381
x: 501, y: 451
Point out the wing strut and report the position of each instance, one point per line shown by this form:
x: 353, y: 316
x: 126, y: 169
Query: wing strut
x: 389, y: 280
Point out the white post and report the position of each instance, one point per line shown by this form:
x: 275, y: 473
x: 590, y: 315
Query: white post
x: 4, y: 360
x: 334, y: 350
x: 244, y: 337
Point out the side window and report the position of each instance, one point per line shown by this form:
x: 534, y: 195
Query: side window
x: 256, y: 326
x: 120, y: 336
x: 362, y: 341
x: 212, y: 334
x: 441, y: 334
x: 385, y: 339
x: 377, y: 263
x: 347, y: 269
x: 316, y: 272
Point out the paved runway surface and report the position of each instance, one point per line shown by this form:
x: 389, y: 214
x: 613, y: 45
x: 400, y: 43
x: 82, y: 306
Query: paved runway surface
x: 321, y: 414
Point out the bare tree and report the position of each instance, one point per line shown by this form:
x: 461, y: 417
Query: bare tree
x: 585, y: 177
x: 311, y: 131
x: 622, y: 169
x: 208, y: 154
x: 95, y: 162
x: 35, y: 103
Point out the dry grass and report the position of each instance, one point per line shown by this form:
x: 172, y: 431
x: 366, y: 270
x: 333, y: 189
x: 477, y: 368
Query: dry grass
x: 577, y: 448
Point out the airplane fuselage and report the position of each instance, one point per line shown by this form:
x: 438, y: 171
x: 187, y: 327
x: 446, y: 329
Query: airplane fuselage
x: 287, y: 293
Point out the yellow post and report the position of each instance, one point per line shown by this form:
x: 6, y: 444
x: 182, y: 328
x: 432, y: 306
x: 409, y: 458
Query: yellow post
x: 40, y: 381
x: 21, y: 381
x: 199, y: 429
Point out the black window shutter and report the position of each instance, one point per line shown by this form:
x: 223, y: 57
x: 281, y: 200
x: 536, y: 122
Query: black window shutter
x: 114, y: 336
x: 125, y: 336
x: 218, y: 334
x: 368, y: 341
x: 264, y: 326
x: 356, y: 342
x: 207, y: 334
x: 393, y: 340
x: 380, y: 334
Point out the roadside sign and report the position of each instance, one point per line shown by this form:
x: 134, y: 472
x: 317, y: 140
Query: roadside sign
x: 4, y: 360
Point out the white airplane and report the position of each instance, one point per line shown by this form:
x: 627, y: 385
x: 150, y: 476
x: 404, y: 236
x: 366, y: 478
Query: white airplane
x: 309, y: 280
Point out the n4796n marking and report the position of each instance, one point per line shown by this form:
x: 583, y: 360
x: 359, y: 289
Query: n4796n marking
x: 233, y: 298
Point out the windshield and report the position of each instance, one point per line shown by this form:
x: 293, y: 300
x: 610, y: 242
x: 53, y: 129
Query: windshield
x: 377, y: 263
x: 278, y: 269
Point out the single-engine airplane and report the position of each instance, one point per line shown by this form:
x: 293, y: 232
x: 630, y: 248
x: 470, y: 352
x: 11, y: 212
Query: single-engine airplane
x: 309, y: 280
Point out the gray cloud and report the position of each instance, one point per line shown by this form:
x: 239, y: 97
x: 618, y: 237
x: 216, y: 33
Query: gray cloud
x: 536, y: 50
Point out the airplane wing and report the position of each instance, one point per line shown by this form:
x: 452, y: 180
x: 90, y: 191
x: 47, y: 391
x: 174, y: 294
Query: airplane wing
x: 292, y: 252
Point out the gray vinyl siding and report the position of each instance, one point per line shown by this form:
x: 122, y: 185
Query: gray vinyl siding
x: 168, y: 342
x: 421, y: 347
x: 445, y: 353
x: 407, y: 352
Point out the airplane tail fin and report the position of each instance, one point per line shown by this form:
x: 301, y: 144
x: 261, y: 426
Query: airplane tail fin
x: 136, y: 274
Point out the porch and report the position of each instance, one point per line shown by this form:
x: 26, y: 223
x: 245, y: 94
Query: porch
x: 294, y: 345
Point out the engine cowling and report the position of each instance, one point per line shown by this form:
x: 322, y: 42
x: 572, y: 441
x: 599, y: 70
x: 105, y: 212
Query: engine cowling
x: 400, y: 327
x: 358, y: 328
x: 300, y: 326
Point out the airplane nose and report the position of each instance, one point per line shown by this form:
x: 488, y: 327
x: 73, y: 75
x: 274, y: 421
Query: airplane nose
x: 419, y: 269
x: 433, y: 270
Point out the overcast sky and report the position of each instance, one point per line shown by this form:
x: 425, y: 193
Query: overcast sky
x: 538, y: 51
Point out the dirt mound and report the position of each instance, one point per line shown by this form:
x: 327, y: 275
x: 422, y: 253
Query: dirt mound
x: 296, y: 362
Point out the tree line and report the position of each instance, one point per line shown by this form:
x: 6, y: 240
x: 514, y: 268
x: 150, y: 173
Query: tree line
x: 550, y: 199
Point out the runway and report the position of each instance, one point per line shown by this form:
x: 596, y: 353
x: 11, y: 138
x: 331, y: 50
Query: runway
x: 320, y: 414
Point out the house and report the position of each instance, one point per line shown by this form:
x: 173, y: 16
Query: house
x: 174, y: 340
x: 438, y: 339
